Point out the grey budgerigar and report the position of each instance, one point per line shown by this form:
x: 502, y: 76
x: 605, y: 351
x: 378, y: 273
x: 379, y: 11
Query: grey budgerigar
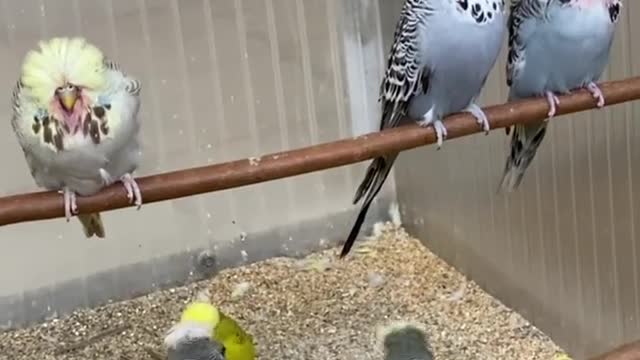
x: 555, y: 46
x: 405, y: 341
x: 192, y: 341
x: 75, y: 114
x: 442, y: 53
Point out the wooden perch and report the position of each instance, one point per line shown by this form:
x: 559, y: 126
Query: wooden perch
x: 629, y: 351
x: 176, y: 184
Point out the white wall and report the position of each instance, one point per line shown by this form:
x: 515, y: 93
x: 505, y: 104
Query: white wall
x: 222, y: 80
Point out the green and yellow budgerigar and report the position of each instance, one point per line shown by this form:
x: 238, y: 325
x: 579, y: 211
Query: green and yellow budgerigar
x: 191, y: 340
x: 238, y: 344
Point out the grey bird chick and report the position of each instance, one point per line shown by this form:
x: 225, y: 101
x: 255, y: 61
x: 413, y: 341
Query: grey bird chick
x: 442, y: 53
x: 192, y: 341
x: 555, y: 46
x: 405, y: 341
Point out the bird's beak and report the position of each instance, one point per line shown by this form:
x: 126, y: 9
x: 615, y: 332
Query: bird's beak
x: 68, y: 99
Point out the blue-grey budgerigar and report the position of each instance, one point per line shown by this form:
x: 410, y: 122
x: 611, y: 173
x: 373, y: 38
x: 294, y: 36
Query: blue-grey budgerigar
x: 555, y: 46
x: 442, y: 53
x: 189, y: 340
x: 405, y: 341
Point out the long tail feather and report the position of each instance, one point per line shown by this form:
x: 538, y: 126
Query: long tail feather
x: 369, y: 176
x: 372, y: 183
x: 525, y: 141
x: 92, y: 225
x: 511, y: 178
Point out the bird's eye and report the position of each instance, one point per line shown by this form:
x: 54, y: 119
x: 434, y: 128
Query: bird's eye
x: 58, y: 89
x: 70, y: 87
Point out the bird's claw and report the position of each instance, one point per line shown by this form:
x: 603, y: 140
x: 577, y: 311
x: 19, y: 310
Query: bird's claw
x: 552, y: 100
x: 441, y: 132
x: 481, y: 117
x: 596, y: 93
x: 70, y: 205
x: 438, y: 126
x: 133, y: 190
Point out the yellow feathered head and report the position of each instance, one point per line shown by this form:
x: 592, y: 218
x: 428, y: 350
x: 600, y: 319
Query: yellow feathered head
x: 201, y: 312
x: 59, y: 61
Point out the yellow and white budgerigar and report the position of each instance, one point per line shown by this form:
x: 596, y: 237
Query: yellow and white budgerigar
x: 238, y: 344
x: 75, y: 114
x: 191, y: 340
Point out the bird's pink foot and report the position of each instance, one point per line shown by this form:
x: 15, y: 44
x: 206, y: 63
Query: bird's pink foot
x: 481, y: 117
x: 597, y: 93
x: 553, y: 100
x: 133, y: 190
x: 441, y: 132
x: 438, y: 126
x: 70, y: 206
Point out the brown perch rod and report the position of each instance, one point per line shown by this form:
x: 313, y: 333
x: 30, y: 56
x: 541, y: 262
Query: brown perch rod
x: 629, y: 351
x: 176, y: 184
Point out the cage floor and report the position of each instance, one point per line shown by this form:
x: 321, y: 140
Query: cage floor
x: 312, y: 308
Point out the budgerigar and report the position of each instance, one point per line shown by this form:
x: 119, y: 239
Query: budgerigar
x: 191, y: 340
x: 238, y: 344
x: 404, y: 341
x: 555, y: 46
x: 442, y: 53
x: 75, y: 116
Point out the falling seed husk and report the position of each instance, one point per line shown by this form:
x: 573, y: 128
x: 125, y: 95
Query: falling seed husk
x: 240, y: 290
